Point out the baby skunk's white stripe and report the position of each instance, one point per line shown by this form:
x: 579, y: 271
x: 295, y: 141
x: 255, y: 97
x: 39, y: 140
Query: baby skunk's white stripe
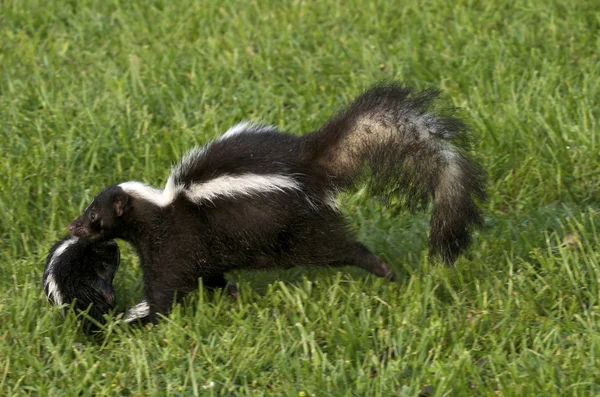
x: 140, y: 310
x: 50, y: 286
x: 52, y: 290
x: 245, y: 184
x: 247, y: 126
x: 58, y: 252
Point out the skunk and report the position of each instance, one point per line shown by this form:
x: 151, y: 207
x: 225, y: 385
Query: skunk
x: 81, y: 272
x: 259, y: 198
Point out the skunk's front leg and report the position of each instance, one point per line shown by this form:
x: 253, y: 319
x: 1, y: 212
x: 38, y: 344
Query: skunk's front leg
x: 214, y: 282
x: 161, y: 295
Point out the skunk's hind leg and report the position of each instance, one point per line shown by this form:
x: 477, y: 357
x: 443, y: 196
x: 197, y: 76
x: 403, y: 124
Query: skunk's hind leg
x: 344, y: 252
x: 358, y: 255
x: 324, y: 240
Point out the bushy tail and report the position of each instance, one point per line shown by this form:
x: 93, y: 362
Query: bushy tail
x: 390, y: 138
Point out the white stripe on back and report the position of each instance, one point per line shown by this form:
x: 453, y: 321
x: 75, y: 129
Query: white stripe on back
x: 171, y: 190
x: 187, y: 162
x: 222, y: 186
x: 245, y: 184
x: 248, y: 126
x: 156, y: 196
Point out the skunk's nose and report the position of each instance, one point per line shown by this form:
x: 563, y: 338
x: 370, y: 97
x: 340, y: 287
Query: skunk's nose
x: 71, y: 228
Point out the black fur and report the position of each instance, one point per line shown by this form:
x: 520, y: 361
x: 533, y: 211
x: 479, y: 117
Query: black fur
x: 387, y: 138
x: 82, y: 274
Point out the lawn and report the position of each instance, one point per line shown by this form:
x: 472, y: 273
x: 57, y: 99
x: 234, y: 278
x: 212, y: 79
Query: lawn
x: 99, y: 92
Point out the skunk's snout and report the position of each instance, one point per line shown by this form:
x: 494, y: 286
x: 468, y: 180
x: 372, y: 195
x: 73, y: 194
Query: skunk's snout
x: 71, y: 228
x: 78, y: 228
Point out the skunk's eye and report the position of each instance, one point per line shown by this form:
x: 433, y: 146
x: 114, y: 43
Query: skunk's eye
x: 93, y: 216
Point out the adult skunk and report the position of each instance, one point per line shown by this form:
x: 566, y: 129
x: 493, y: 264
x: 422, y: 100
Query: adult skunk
x: 259, y: 198
x: 81, y: 272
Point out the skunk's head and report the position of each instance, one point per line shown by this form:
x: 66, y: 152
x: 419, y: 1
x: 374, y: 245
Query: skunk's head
x: 106, y: 258
x: 103, y: 219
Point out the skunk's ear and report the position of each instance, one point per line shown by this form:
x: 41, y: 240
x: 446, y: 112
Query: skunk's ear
x: 121, y: 204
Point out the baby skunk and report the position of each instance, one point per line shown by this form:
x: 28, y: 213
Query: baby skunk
x: 83, y: 271
x: 259, y: 198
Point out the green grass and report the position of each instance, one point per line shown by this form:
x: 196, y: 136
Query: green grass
x: 94, y: 93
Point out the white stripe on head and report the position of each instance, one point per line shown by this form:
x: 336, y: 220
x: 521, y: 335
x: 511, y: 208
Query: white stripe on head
x: 142, y: 191
x: 245, y: 184
x: 50, y: 285
x: 139, y: 311
x: 248, y: 126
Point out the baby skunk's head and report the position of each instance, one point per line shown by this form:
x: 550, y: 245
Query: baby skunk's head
x: 104, y: 217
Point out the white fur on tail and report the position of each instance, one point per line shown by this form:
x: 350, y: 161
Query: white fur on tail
x: 450, y: 181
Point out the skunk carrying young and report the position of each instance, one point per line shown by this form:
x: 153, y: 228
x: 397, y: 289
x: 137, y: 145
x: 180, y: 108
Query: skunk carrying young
x: 259, y: 198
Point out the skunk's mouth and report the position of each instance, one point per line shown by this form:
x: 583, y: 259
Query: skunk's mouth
x: 78, y: 230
